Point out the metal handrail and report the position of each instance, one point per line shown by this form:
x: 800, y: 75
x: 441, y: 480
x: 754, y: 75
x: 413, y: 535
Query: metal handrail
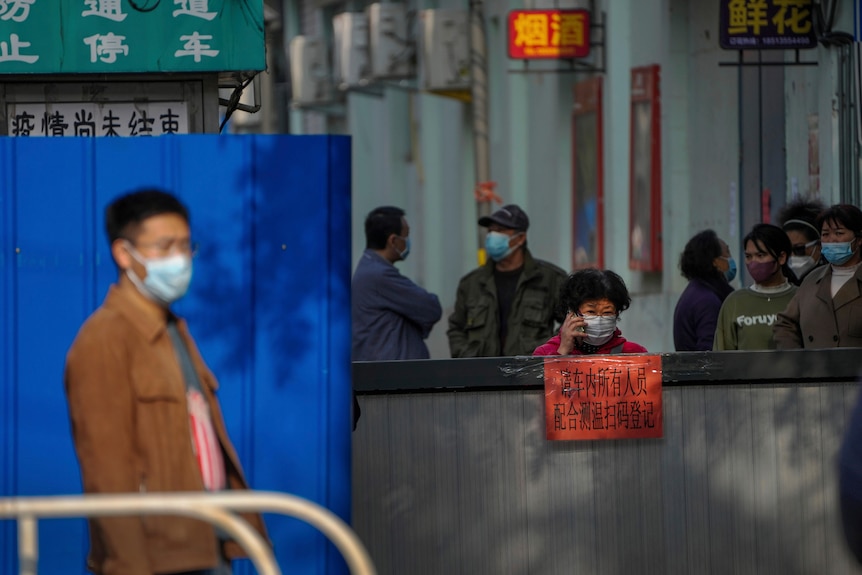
x: 216, y: 508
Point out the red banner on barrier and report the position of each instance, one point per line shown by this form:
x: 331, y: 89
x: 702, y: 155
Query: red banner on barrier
x: 603, y: 397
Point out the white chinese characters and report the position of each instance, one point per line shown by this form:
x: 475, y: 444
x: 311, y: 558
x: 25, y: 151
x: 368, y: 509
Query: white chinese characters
x: 110, y: 9
x: 105, y: 47
x: 15, y: 10
x: 195, y: 47
x: 14, y: 55
x: 197, y: 8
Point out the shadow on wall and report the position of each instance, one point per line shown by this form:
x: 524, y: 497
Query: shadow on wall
x: 743, y: 482
x: 287, y: 242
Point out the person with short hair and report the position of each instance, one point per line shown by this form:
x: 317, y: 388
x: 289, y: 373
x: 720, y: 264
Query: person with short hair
x: 798, y: 220
x: 747, y: 315
x: 142, y: 402
x: 591, y: 301
x: 709, y: 268
x: 507, y: 306
x: 392, y: 316
x: 827, y: 309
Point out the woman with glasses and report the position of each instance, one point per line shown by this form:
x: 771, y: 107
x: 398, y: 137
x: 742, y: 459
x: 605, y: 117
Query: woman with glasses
x: 591, y: 301
x: 798, y: 220
x: 747, y: 315
x: 707, y: 265
x: 827, y: 309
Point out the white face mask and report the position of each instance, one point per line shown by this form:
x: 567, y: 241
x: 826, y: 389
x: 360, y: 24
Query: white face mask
x: 600, y: 329
x: 801, y: 265
x: 167, y: 278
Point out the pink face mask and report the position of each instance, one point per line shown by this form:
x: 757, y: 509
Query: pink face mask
x: 762, y: 271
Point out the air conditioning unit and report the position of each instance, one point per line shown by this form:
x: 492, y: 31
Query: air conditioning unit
x: 350, y: 39
x: 392, y: 48
x: 445, y: 53
x: 309, y: 70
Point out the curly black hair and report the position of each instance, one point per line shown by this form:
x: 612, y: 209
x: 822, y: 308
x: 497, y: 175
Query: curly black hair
x: 801, y: 215
x: 697, y: 258
x: 589, y: 284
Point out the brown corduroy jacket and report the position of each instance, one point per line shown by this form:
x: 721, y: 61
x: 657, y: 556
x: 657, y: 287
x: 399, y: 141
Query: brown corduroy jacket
x: 130, y: 425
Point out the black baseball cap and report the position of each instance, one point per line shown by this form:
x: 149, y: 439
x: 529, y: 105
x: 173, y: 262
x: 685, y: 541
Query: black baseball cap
x: 509, y: 216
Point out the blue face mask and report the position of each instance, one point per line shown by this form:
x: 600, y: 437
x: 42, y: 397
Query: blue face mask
x: 837, y: 252
x: 167, y: 278
x: 497, y: 246
x: 403, y: 255
x: 730, y: 272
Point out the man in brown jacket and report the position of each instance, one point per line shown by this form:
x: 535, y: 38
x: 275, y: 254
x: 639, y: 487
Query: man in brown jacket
x: 142, y: 401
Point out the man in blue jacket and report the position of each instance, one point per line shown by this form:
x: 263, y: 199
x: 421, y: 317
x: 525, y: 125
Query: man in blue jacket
x: 392, y: 316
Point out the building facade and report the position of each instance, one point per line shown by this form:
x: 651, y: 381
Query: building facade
x: 728, y: 145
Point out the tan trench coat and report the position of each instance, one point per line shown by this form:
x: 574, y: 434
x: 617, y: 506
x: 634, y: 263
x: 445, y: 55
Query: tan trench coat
x: 814, y: 320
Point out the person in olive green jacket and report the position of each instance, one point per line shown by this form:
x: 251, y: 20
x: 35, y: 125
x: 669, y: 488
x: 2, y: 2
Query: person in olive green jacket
x: 507, y: 306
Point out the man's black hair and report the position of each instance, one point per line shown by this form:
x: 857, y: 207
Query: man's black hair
x: 592, y: 284
x: 381, y: 223
x: 124, y: 215
x: 697, y: 260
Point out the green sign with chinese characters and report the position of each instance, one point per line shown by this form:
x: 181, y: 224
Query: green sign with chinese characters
x: 105, y: 36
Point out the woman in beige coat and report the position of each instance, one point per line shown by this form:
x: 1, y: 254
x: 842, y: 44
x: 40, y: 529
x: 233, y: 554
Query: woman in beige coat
x: 827, y: 309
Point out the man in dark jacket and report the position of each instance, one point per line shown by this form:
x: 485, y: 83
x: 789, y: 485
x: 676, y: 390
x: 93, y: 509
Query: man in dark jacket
x: 391, y: 315
x: 850, y: 482
x: 507, y: 306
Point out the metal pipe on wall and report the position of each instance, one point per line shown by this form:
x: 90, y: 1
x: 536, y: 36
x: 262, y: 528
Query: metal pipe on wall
x: 479, y: 90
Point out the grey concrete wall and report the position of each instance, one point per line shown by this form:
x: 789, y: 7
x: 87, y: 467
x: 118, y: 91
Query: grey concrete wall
x: 466, y: 483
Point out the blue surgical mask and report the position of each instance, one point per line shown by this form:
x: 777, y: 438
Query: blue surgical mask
x: 837, y: 252
x: 167, y: 278
x: 497, y: 246
x: 730, y: 272
x: 403, y: 255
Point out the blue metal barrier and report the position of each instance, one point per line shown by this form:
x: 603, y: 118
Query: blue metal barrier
x: 267, y: 308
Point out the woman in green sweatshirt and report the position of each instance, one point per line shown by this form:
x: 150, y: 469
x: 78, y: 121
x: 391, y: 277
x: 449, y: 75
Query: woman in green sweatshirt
x: 746, y: 317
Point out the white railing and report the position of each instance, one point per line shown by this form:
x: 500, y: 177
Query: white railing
x: 219, y: 509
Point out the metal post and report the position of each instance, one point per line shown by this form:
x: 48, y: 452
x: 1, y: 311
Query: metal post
x: 28, y: 545
x: 122, y: 505
x: 216, y: 508
x: 479, y: 88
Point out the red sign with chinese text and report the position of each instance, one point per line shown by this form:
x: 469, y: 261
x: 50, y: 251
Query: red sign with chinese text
x: 550, y: 34
x: 603, y: 397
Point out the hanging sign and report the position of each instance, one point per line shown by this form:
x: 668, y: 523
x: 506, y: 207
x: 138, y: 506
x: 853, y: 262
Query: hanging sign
x: 766, y: 24
x: 549, y: 34
x: 109, y: 36
x: 603, y: 397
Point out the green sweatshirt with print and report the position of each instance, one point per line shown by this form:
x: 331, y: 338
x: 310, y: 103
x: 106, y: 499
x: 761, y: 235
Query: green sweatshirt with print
x: 746, y: 318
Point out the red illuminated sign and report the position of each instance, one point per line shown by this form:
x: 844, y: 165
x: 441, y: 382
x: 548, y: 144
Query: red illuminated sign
x: 549, y: 34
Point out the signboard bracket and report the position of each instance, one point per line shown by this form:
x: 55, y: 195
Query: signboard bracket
x: 741, y: 63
